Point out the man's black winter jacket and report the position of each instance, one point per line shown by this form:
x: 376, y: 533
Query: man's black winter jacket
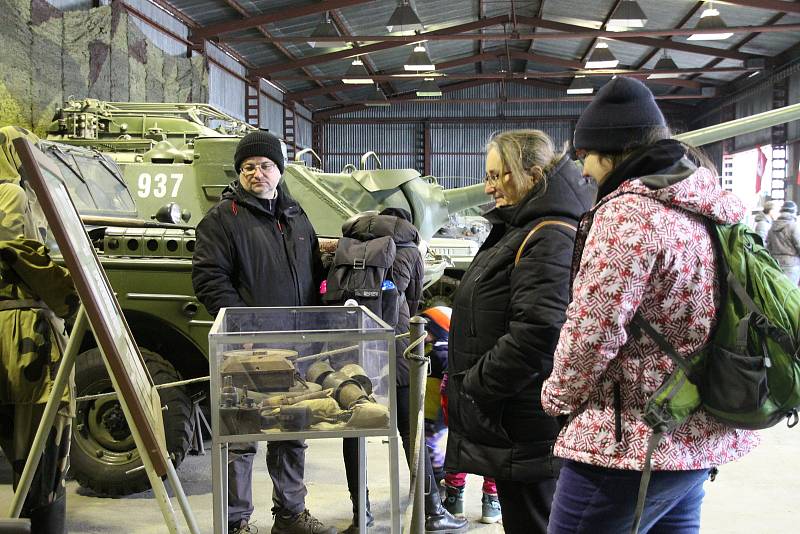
x: 247, y: 256
x: 504, y: 330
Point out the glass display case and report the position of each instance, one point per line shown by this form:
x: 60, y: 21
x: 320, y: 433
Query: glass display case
x: 299, y: 373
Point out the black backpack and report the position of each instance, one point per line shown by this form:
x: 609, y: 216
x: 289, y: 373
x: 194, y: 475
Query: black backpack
x: 362, y: 270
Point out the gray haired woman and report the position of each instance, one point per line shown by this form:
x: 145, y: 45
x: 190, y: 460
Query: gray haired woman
x: 507, y: 313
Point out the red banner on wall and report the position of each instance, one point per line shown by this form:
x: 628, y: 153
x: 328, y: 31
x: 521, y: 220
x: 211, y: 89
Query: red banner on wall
x: 761, y: 167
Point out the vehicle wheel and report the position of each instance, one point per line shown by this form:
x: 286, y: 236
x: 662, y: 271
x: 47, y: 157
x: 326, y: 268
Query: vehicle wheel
x: 103, y: 450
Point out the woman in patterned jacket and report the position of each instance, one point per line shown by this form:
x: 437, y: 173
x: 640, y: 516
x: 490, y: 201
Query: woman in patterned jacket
x: 644, y: 248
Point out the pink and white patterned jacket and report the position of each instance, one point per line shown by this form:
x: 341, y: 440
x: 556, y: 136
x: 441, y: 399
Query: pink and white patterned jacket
x: 641, y: 254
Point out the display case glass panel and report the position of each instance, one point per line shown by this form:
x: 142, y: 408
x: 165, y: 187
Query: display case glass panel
x: 301, y: 372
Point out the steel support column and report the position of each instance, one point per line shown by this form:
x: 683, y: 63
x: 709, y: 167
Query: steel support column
x: 780, y: 163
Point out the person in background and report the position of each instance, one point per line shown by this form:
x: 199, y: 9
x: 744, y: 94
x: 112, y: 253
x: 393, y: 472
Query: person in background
x: 406, y: 274
x: 507, y: 312
x: 644, y: 248
x: 783, y: 241
x: 35, y: 296
x: 256, y: 247
x: 765, y: 220
x: 438, y: 328
x: 438, y: 331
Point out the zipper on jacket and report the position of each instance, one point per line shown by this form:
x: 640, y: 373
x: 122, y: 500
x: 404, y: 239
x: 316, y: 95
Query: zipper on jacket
x: 472, y: 331
x: 617, y: 413
x: 291, y: 263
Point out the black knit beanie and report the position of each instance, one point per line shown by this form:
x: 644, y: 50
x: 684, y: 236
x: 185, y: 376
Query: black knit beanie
x: 618, y: 118
x: 259, y: 143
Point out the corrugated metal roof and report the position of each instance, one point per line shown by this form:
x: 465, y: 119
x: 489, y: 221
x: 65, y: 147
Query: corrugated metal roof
x: 370, y: 18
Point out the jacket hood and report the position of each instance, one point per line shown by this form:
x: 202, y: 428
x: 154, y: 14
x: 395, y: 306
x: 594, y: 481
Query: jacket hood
x: 563, y: 193
x: 285, y: 204
x: 369, y: 226
x: 685, y: 186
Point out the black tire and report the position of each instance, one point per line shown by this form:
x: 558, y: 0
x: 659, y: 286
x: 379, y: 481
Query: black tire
x: 103, y: 450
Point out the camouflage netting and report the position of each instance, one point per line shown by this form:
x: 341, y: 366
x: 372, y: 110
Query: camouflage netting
x: 49, y: 56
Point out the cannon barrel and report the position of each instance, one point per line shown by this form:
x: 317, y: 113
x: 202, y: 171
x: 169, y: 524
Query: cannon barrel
x: 462, y: 198
x: 724, y: 130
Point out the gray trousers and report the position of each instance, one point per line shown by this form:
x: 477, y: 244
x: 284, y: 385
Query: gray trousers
x: 793, y: 272
x: 285, y: 464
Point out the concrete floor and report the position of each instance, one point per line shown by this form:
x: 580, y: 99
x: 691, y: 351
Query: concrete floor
x: 758, y: 494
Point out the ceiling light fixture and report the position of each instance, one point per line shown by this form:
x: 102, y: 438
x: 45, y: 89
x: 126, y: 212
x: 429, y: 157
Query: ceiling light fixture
x: 405, y: 19
x: 376, y: 98
x: 601, y: 58
x: 627, y: 15
x: 429, y: 87
x: 664, y: 63
x: 581, y: 85
x: 356, y: 73
x: 710, y: 19
x: 325, y: 28
x: 419, y: 60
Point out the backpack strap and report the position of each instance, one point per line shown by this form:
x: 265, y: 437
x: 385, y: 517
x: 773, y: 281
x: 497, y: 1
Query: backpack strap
x: 652, y: 444
x: 643, y: 326
x: 534, y: 230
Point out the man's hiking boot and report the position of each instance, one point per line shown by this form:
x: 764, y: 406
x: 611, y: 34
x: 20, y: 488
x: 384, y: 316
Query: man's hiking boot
x: 302, y: 523
x: 242, y: 527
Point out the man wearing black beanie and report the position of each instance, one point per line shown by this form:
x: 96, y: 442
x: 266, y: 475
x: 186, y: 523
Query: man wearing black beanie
x: 256, y: 247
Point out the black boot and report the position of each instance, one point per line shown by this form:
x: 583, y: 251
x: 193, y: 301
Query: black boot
x: 50, y: 519
x: 438, y: 519
x: 353, y: 528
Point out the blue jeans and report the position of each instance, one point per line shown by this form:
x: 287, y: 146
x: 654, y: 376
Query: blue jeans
x: 597, y: 500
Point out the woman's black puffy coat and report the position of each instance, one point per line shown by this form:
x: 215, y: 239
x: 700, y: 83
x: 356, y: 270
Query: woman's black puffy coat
x: 504, y: 329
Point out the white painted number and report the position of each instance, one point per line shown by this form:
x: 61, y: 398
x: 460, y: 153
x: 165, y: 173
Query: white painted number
x: 161, y: 185
x: 144, y: 185
x: 157, y: 185
x: 178, y: 179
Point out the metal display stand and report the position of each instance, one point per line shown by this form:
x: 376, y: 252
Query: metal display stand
x: 355, y: 339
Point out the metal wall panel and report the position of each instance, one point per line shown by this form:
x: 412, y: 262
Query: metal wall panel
x: 457, y: 149
x: 225, y: 91
x: 303, y: 129
x: 221, y: 57
x: 757, y: 102
x: 358, y: 138
x: 271, y: 116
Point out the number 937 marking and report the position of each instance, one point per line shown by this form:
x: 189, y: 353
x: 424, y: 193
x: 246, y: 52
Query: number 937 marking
x: 157, y: 185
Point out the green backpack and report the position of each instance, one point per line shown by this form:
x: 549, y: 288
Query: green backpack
x: 748, y: 375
